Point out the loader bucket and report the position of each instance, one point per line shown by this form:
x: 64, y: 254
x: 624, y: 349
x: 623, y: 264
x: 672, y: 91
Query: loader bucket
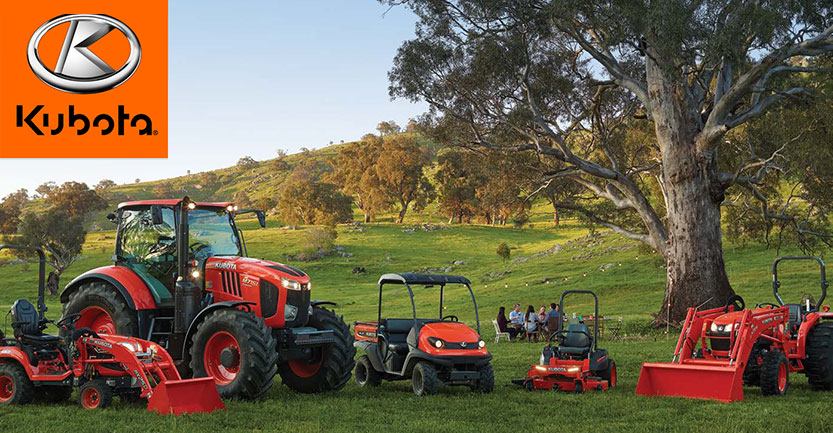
x: 712, y: 382
x: 185, y: 396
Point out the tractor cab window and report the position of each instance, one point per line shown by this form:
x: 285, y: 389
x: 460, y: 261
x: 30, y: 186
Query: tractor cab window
x: 149, y: 249
x: 212, y: 234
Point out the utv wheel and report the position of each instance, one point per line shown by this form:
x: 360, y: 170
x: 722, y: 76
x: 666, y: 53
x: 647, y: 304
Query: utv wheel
x: 15, y: 386
x: 818, y: 364
x: 775, y: 377
x: 331, y: 366
x: 94, y: 395
x: 609, y: 374
x: 53, y: 394
x: 237, y: 350
x: 366, y: 375
x: 486, y: 384
x: 424, y: 379
x: 102, y: 309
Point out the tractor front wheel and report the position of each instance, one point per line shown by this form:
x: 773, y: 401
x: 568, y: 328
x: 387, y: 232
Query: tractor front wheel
x: 775, y: 373
x: 818, y: 364
x: 238, y: 350
x: 330, y: 366
x: 102, y: 309
x: 94, y: 395
x: 15, y: 386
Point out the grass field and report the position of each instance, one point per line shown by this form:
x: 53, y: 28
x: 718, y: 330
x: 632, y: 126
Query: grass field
x: 629, y: 287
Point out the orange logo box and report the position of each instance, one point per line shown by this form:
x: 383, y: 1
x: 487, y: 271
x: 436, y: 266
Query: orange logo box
x: 84, y: 79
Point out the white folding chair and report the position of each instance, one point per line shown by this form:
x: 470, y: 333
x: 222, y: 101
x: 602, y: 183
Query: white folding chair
x: 498, y: 333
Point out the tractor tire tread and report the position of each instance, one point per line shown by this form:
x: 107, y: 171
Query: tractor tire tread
x: 103, y: 294
x: 769, y: 373
x: 372, y: 378
x: 818, y: 362
x: 24, y: 388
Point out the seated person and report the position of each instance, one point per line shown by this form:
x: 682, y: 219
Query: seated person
x: 531, y: 322
x: 503, y: 324
x: 516, y: 317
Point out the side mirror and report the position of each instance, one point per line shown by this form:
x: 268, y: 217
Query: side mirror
x: 112, y: 218
x: 261, y: 218
x: 156, y: 215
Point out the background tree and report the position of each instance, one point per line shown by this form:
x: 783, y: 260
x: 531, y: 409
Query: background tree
x: 355, y: 171
x: 280, y: 163
x: 564, y: 77
x: 400, y: 169
x: 104, y: 184
x: 45, y: 188
x: 10, y: 209
x: 457, y: 179
x: 388, y: 127
x: 246, y: 162
x: 242, y: 200
x: 503, y: 251
x: 74, y: 199
x: 59, y: 233
x: 305, y: 199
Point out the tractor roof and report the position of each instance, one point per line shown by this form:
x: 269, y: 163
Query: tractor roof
x: 170, y: 202
x: 427, y: 279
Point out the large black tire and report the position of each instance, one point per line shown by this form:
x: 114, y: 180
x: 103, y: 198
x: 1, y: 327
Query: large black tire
x: 818, y: 362
x: 94, y: 395
x: 486, y: 383
x: 424, y: 379
x: 752, y: 372
x: 256, y: 358
x: 366, y: 375
x: 17, y: 388
x: 53, y: 394
x: 104, y: 296
x: 775, y: 377
x: 609, y: 374
x: 336, y: 359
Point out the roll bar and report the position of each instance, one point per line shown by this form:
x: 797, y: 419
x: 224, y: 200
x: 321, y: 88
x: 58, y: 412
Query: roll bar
x: 41, y: 275
x: 595, y: 315
x: 407, y: 279
x: 776, y: 283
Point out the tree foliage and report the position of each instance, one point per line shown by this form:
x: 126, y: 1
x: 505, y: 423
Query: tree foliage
x: 10, y: 209
x: 355, y: 171
x: 59, y: 233
x: 400, y: 169
x: 305, y: 199
x: 73, y: 199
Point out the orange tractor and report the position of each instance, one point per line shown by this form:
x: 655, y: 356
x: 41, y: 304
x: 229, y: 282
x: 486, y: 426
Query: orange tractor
x: 722, y: 349
x: 181, y: 279
x: 34, y: 365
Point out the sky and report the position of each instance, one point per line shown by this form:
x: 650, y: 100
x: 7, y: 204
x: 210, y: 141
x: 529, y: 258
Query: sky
x: 249, y: 78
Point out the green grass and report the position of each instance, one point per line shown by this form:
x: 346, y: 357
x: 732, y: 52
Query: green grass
x: 632, y: 291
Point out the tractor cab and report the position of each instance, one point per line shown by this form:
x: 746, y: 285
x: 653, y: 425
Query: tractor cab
x: 443, y: 348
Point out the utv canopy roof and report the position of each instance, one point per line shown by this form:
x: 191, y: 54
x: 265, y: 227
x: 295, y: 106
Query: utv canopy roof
x: 427, y: 279
x: 170, y: 202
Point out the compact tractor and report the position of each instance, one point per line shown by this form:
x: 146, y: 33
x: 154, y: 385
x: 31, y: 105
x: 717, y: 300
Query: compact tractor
x: 576, y: 364
x: 430, y: 352
x: 181, y: 279
x: 722, y: 349
x: 35, y: 365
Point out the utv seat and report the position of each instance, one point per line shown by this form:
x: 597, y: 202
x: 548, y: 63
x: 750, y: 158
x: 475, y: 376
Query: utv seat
x: 396, y: 331
x: 27, y: 326
x: 576, y: 341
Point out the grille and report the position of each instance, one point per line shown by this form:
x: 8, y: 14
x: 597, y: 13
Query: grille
x: 268, y: 298
x: 300, y: 300
x: 231, y: 282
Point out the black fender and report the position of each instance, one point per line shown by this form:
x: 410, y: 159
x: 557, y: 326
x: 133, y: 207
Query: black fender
x: 318, y: 303
x: 417, y: 355
x: 599, y: 360
x: 371, y: 349
x: 202, y: 315
x: 81, y: 279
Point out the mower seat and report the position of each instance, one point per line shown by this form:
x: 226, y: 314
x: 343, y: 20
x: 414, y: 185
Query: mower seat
x: 27, y: 326
x: 576, y: 341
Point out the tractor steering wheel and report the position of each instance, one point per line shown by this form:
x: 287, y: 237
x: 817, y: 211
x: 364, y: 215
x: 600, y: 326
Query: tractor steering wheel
x: 735, y: 301
x: 199, y: 246
x: 767, y: 304
x: 68, y: 322
x: 452, y: 317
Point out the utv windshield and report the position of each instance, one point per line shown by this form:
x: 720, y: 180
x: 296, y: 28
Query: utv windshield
x: 212, y: 234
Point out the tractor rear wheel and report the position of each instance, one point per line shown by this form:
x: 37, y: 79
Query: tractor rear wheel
x: 102, y: 309
x: 366, y: 375
x: 331, y: 366
x: 238, y: 350
x: 818, y: 362
x: 775, y: 373
x: 486, y: 383
x: 425, y: 379
x: 15, y: 386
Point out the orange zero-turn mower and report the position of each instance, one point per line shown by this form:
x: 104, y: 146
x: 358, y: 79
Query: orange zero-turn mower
x: 722, y: 349
x: 430, y: 352
x: 576, y: 364
x: 38, y: 366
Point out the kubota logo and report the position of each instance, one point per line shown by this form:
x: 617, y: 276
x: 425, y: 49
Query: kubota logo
x: 78, y: 69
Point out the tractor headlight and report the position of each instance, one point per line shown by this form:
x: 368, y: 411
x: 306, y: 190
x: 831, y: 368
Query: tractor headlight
x: 290, y: 312
x: 436, y: 342
x: 481, y: 344
x: 131, y: 346
x: 728, y: 328
x: 573, y: 369
x: 714, y: 327
x: 290, y: 284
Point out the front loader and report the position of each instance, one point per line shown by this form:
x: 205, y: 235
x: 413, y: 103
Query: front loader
x: 182, y: 279
x: 722, y: 349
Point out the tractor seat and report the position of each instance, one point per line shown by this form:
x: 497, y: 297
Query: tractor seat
x: 796, y: 316
x: 576, y: 340
x: 27, y: 326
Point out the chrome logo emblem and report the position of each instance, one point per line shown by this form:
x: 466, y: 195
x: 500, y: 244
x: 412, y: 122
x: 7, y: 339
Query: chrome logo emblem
x: 78, y: 69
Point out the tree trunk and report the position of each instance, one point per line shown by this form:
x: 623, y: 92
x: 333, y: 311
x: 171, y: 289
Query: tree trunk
x: 366, y: 217
x: 402, y: 211
x: 696, y: 274
x: 555, y: 217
